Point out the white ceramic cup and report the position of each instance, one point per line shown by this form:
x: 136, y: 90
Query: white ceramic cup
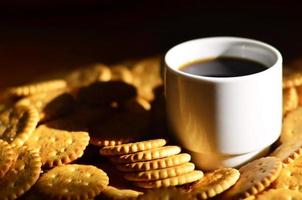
x: 224, y: 121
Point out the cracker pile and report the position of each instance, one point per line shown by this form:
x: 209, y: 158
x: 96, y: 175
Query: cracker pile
x: 150, y: 164
x: 100, y: 133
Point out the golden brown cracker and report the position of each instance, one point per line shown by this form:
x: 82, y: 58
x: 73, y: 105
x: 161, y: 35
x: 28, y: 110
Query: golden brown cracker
x: 57, y: 147
x: 290, y: 99
x: 290, y: 176
x: 132, y: 147
x: 73, y: 182
x: 147, y: 155
x: 289, y: 151
x: 292, y: 126
x: 51, y: 104
x: 255, y: 177
x: 22, y: 175
x: 173, y: 181
x: 34, y: 88
x: 170, y: 161
x: 157, y: 174
x: 214, y: 183
x: 7, y: 157
x: 17, y: 124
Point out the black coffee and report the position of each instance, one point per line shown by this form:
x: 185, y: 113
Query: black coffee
x: 223, y: 67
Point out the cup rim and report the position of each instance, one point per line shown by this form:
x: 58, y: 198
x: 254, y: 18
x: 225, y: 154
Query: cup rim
x: 224, y: 79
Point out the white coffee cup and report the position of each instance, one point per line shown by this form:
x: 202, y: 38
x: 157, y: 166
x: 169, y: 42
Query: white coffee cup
x: 224, y: 121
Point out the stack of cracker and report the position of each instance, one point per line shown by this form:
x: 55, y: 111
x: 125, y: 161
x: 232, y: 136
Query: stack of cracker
x: 151, y: 164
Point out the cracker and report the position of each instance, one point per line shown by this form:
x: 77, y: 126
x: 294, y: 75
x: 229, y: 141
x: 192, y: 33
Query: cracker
x: 289, y: 151
x: 132, y: 147
x: 147, y: 155
x: 117, y: 193
x: 118, y: 185
x: 255, y: 177
x: 88, y: 75
x: 22, y: 175
x: 290, y: 176
x: 147, y: 76
x: 57, y: 147
x: 170, y: 193
x: 280, y: 194
x: 214, y: 183
x: 170, y: 161
x: 290, y: 99
x: 292, y: 126
x: 51, y: 104
x: 157, y: 174
x: 72, y: 182
x: 35, y: 88
x: 121, y: 73
x: 17, y: 124
x: 7, y: 157
x: 120, y: 128
x: 173, y: 181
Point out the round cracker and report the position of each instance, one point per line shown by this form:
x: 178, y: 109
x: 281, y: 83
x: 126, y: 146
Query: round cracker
x: 51, y: 104
x: 132, y: 147
x: 290, y: 99
x: 255, y: 177
x: 17, y: 124
x: 116, y: 193
x: 292, y: 126
x: 214, y: 183
x: 173, y: 181
x: 30, y: 89
x: 160, y: 173
x: 290, y: 176
x: 170, y: 161
x: 72, y: 182
x: 22, y: 175
x: 7, y: 157
x: 280, y: 194
x: 57, y: 147
x: 147, y: 155
x: 289, y: 151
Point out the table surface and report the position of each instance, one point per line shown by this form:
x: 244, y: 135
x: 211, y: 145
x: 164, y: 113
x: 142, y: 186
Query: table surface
x: 37, y: 38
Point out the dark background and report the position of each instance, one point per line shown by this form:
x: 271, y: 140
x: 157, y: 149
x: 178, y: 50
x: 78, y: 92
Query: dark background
x: 36, y: 38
